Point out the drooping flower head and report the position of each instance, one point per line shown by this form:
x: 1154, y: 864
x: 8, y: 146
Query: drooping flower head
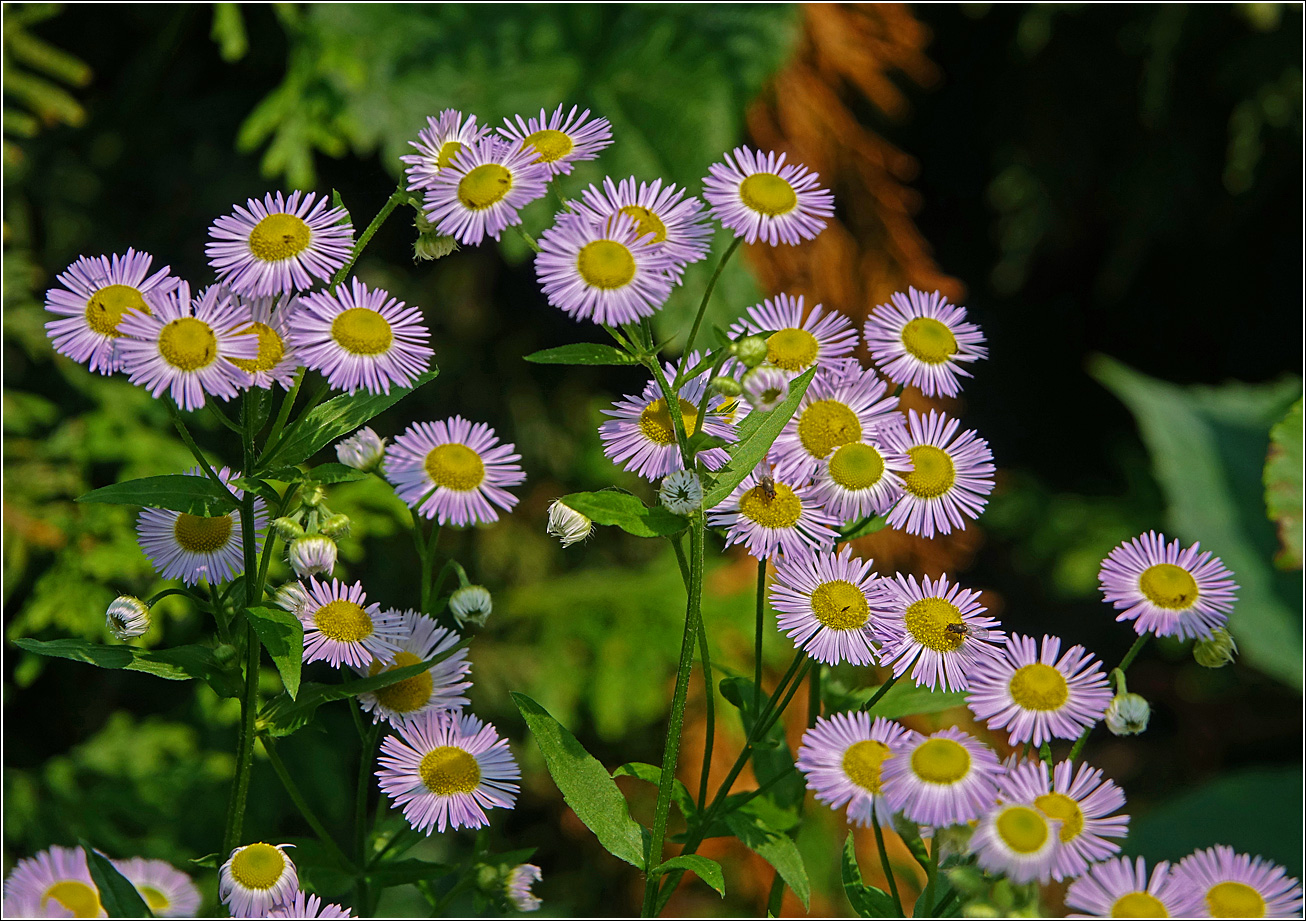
x: 1166, y: 590
x: 188, y: 348
x: 567, y: 525
x: 312, y: 554
x: 167, y: 891
x: 127, y: 617
x: 836, y: 410
x: 825, y: 602
x: 861, y: 478
x: 56, y: 883
x: 471, y: 604
x: 304, y: 905
x: 1231, y: 885
x: 947, y: 778
x: 769, y: 514
x: 937, y: 631
x: 1121, y: 888
x: 1018, y: 841
x: 1039, y: 696
x: 951, y: 476
x: 454, y: 471
x: 445, y: 769
x: 95, y: 293
x: 760, y: 197
x: 256, y: 878
x: 483, y: 189
x: 843, y: 758
x: 517, y: 887
x: 557, y: 141
x: 437, y: 144
x: 799, y: 338
x: 441, y: 686
x: 276, y: 360
x: 279, y: 245
x: 662, y: 216
x: 919, y: 340
x: 339, y: 625
x: 361, y: 338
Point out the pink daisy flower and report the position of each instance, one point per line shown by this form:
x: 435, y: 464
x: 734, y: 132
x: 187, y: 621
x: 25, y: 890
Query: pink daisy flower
x: 518, y: 887
x: 279, y: 244
x: 56, y: 883
x: 1165, y: 590
x: 276, y: 361
x: 769, y: 514
x: 256, y: 878
x: 676, y: 223
x: 1231, y: 885
x: 167, y: 891
x: 948, y: 778
x: 836, y: 410
x: 760, y: 197
x: 951, y: 476
x: 557, y: 141
x: 304, y: 905
x: 1121, y: 888
x: 861, y: 478
x: 919, y: 340
x: 798, y: 338
x: 483, y: 189
x: 454, y: 471
x: 936, y: 630
x: 339, y: 625
x: 1018, y: 841
x: 441, y: 686
x: 437, y: 144
x: 825, y: 602
x: 843, y: 759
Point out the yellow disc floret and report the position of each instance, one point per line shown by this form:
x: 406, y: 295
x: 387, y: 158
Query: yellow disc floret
x: 646, y: 222
x: 343, y: 621
x: 928, y: 620
x: 827, y: 424
x: 448, y: 150
x: 1138, y: 905
x: 940, y: 761
x: 455, y: 466
x: 362, y: 331
x: 929, y: 341
x: 792, y: 349
x: 188, y: 344
x: 551, y: 144
x: 258, y: 866
x: 154, y: 898
x: 483, y: 186
x: 448, y: 770
x: 862, y: 763
x: 840, y: 605
x: 1039, y: 687
x: 1234, y: 900
x: 856, y: 466
x: 202, y: 535
x: 405, y: 696
x: 767, y: 193
x: 655, y: 421
x: 1060, y: 806
x: 778, y: 509
x: 74, y: 896
x: 1022, y: 829
x: 105, y: 308
x: 1168, y: 586
x: 279, y: 236
x: 605, y: 264
x: 271, y: 349
x: 933, y: 472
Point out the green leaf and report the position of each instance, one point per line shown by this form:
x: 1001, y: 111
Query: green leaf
x: 179, y: 663
x: 261, y: 488
x: 612, y: 507
x: 777, y: 849
x: 903, y: 699
x: 1283, y: 486
x: 207, y: 862
x: 582, y: 353
x: 586, y: 786
x: 282, y: 635
x: 403, y: 872
x: 771, y: 756
x: 867, y: 901
x: 118, y: 896
x: 864, y: 527
x: 333, y: 420
x: 708, y: 870
x: 327, y: 474
x: 705, y: 441
x: 194, y: 495
x: 229, y: 31
x: 650, y: 773
x: 757, y: 432
x: 338, y: 202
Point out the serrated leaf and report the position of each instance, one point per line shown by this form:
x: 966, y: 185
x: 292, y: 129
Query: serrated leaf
x: 1283, y: 486
x: 282, y: 635
x: 867, y: 901
x: 194, y: 495
x: 582, y: 353
x: 650, y: 773
x: 179, y: 663
x: 777, y: 849
x: 586, y: 786
x: 708, y: 870
x: 627, y: 512
x: 118, y: 896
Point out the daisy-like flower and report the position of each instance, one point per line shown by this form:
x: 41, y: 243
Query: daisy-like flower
x: 765, y: 388
x: 96, y: 292
x: 1121, y: 888
x: 193, y: 547
x: 517, y: 887
x: 919, y: 340
x: 642, y: 438
x: 951, y: 476
x: 360, y: 338
x: 256, y: 878
x: 605, y: 273
x: 760, y: 197
x: 947, y: 778
x: 453, y: 470
x: 483, y: 190
x: 127, y: 617
x: 440, y: 686
x: 1166, y: 590
x: 362, y: 450
x: 279, y: 244
x: 1082, y: 801
x: 1018, y: 841
x: 445, y: 769
x: 825, y: 602
x: 293, y: 597
x: 188, y: 349
x: 936, y: 630
x: 843, y: 759
x: 768, y: 513
x: 338, y: 628
x: 567, y: 525
x: 437, y: 144
x: 860, y: 478
x: 557, y: 141
x: 675, y: 223
x: 798, y: 339
x: 304, y: 905
x: 1234, y: 885
x: 1039, y: 696
x: 168, y: 892
x: 681, y: 492
x: 276, y: 360
x: 835, y: 411
x: 312, y: 554
x: 56, y: 883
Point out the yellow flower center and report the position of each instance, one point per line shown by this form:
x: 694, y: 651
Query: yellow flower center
x: 792, y: 349
x: 646, y: 222
x: 856, y: 466
x: 408, y: 695
x: 1138, y: 905
x: 1060, y: 806
x: 455, y: 466
x: 840, y: 605
x: 605, y: 264
x: 202, y: 535
x: 933, y: 473
x: 270, y: 350
x: 105, y: 308
x: 153, y: 898
x: 551, y: 143
x: 448, y: 150
x: 188, y: 344
x: 343, y: 621
x: 1039, y: 687
x: 827, y: 424
x: 779, y: 511
x: 767, y: 193
x: 927, y: 622
x: 362, y: 331
x: 279, y: 236
x: 74, y: 896
x: 448, y: 770
x: 941, y: 761
x: 655, y: 421
x: 929, y: 341
x: 484, y: 186
x: 258, y: 866
x: 1022, y: 829
x: 1235, y: 900
x: 862, y: 762
x: 1168, y: 586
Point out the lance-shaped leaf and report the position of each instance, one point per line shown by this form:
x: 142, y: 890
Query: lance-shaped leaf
x: 652, y: 774
x: 118, y: 896
x: 867, y: 901
x: 776, y: 848
x: 582, y: 353
x: 179, y: 663
x: 627, y: 512
x: 194, y: 495
x: 708, y: 870
x: 282, y: 635
x: 903, y: 699
x: 864, y: 527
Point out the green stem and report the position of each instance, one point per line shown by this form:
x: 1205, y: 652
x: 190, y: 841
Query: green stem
x: 621, y: 341
x: 875, y: 699
x: 287, y: 404
x: 702, y: 305
x: 757, y: 641
x: 945, y: 902
x: 888, y: 870
x: 775, y: 898
x: 297, y: 797
x: 672, y: 399
x: 709, y: 683
x: 204, y: 604
x: 1128, y: 660
x: 530, y: 241
x: 196, y: 452
x: 365, y: 758
x: 397, y: 198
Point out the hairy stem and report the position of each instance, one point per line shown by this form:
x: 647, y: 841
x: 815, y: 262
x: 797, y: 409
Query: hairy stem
x: 757, y: 641
x: 397, y: 198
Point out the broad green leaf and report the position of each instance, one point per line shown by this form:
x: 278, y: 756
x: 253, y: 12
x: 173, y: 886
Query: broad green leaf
x: 282, y: 636
x: 1283, y: 486
x: 331, y: 421
x: 194, y: 495
x: 118, y: 896
x: 627, y: 512
x: 261, y: 488
x: 708, y: 870
x: 176, y: 664
x: 403, y: 872
x: 776, y: 848
x: 867, y: 901
x: 582, y: 353
x: 864, y: 527
x: 903, y: 699
x: 757, y: 432
x: 586, y: 786
x: 705, y: 441
x: 327, y: 474
x: 650, y: 773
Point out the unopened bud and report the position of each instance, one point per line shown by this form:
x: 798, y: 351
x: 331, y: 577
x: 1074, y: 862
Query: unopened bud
x: 313, y: 495
x: 288, y: 529
x: 313, y: 554
x: 336, y: 526
x: 127, y: 617
x: 293, y: 597
x: 725, y: 385
x: 765, y: 388
x: 431, y: 246
x: 471, y: 605
x: 225, y: 654
x: 681, y: 492
x: 1215, y: 651
x: 751, y: 350
x: 567, y: 524
x: 362, y: 450
x: 1127, y: 714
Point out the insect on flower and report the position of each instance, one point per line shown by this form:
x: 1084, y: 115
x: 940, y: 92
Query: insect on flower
x: 970, y: 632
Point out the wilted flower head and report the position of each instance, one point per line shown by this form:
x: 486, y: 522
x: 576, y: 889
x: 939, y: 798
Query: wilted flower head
x: 567, y: 524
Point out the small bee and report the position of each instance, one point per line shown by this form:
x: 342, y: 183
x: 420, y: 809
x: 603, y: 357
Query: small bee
x: 766, y: 483
x: 968, y: 631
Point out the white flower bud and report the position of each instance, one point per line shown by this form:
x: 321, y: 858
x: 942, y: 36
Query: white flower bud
x: 313, y: 554
x: 765, y: 388
x: 567, y: 524
x: 471, y: 604
x: 127, y: 617
x: 1215, y: 651
x: 362, y: 450
x: 433, y: 246
x: 681, y: 492
x: 293, y: 597
x: 1127, y: 715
